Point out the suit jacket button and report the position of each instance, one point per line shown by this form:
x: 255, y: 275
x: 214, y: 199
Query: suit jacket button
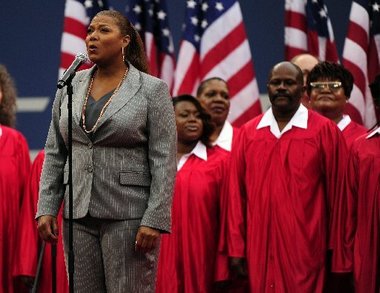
x: 89, y: 169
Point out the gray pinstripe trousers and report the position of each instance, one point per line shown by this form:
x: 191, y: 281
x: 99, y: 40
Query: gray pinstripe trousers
x: 105, y: 259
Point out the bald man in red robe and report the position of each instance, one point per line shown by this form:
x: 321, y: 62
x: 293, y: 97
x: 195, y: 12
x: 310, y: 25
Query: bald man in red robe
x: 284, y: 191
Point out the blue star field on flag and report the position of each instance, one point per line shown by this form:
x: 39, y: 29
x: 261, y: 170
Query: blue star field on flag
x: 317, y: 18
x: 374, y: 15
x: 151, y: 16
x: 200, y: 14
x: 94, y: 6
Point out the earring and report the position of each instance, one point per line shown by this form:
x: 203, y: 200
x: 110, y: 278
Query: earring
x: 123, y: 53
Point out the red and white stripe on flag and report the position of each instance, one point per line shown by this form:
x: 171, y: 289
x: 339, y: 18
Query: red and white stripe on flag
x: 361, y: 57
x: 161, y: 64
x: 78, y: 14
x: 214, y: 44
x: 308, y: 29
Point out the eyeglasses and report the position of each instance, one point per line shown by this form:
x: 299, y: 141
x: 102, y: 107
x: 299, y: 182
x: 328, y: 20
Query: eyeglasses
x: 321, y: 85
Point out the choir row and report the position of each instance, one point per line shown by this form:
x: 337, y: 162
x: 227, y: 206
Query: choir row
x: 286, y: 203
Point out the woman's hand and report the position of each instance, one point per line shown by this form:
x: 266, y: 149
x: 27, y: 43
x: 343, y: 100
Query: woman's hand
x: 48, y: 228
x: 146, y: 239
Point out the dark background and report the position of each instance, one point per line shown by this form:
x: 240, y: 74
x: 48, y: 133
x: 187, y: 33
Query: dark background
x: 30, y: 37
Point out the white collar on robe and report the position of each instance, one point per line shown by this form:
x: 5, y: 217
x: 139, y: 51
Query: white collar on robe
x: 200, y: 150
x: 299, y: 119
x: 376, y: 131
x: 342, y: 124
x: 224, y: 139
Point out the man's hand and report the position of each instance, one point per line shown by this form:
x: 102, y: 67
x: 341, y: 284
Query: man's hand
x: 48, y: 228
x: 238, y: 267
x: 27, y: 281
x: 146, y: 239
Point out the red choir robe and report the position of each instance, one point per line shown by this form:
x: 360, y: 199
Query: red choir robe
x: 283, y: 200
x: 226, y: 140
x: 187, y: 255
x: 363, y: 190
x: 14, y: 171
x: 29, y: 243
x: 352, y: 131
x: 343, y: 282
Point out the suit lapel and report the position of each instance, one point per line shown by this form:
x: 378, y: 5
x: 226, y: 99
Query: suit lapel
x: 80, y: 92
x: 127, y: 90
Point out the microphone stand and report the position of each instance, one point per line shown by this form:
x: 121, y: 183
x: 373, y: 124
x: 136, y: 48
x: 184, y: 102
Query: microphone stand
x: 54, y: 267
x: 39, y: 266
x: 70, y: 179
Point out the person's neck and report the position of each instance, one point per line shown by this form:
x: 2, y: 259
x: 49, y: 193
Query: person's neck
x: 111, y: 71
x: 332, y: 115
x: 217, y: 131
x: 283, y: 118
x: 184, y: 148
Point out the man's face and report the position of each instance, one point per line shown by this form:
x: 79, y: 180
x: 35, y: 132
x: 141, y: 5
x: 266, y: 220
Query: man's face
x: 285, y: 88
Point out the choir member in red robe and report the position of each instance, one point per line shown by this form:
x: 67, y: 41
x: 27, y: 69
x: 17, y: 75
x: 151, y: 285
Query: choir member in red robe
x: 187, y: 257
x: 14, y: 171
x: 213, y: 93
x: 306, y: 62
x: 363, y: 189
x: 329, y: 86
x: 285, y: 180
x: 29, y: 243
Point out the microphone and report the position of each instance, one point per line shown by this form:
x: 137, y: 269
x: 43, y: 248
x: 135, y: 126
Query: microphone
x: 80, y: 58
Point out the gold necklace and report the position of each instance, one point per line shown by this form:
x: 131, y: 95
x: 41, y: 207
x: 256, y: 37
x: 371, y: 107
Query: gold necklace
x: 104, y: 107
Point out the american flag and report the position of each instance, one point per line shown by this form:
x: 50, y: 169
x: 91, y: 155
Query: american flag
x: 78, y: 14
x: 150, y: 18
x: 308, y: 29
x: 214, y: 43
x: 361, y: 55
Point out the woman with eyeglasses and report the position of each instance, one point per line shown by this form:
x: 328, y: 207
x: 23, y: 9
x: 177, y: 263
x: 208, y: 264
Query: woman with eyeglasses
x: 329, y: 87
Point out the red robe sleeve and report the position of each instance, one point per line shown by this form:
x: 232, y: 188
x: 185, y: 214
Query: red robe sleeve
x: 363, y: 224
x: 24, y: 170
x: 349, y: 219
x: 27, y: 246
x: 14, y: 172
x: 335, y: 162
x: 234, y: 201
x: 29, y: 243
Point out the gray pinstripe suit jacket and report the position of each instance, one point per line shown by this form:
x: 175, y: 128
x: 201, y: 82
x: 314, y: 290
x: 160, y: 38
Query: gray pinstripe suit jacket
x: 128, y: 169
